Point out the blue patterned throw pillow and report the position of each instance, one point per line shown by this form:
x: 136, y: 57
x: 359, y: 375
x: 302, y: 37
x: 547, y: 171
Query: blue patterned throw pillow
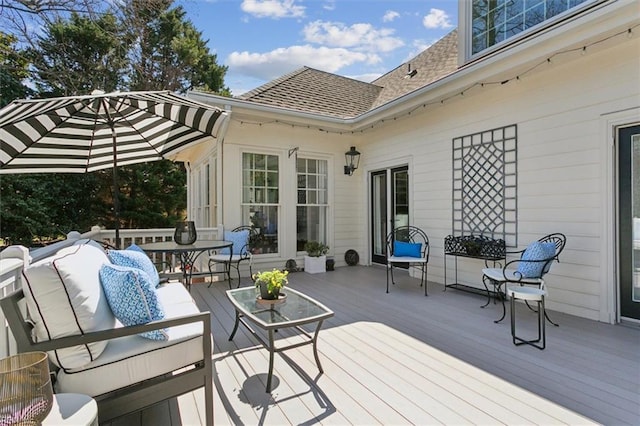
x: 536, y: 251
x: 135, y: 259
x: 239, y: 240
x: 132, y: 297
x: 402, y: 249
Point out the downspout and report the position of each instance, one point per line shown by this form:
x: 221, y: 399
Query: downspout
x: 220, y: 159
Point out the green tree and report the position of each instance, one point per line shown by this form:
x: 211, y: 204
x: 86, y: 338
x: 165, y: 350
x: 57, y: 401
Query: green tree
x: 78, y: 55
x: 129, y: 45
x: 41, y: 207
x: 13, y: 70
x: 170, y: 53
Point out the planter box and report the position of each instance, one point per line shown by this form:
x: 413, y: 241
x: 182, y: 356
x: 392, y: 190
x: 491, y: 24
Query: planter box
x: 315, y: 265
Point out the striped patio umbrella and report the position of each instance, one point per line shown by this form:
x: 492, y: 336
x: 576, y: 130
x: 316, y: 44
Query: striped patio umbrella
x: 82, y: 134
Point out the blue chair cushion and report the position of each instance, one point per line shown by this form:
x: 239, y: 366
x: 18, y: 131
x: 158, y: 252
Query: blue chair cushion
x: 135, y: 247
x: 536, y: 251
x: 135, y: 259
x: 402, y: 249
x: 132, y: 297
x: 239, y: 240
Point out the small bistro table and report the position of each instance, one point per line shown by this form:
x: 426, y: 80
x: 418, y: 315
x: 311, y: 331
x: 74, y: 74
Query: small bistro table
x: 187, y: 253
x: 294, y: 311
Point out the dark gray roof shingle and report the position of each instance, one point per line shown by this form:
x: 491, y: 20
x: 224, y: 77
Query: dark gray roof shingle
x: 437, y: 61
x: 319, y: 92
x: 314, y: 91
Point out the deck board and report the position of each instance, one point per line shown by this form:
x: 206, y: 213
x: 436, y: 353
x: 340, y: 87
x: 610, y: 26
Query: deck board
x: 403, y: 358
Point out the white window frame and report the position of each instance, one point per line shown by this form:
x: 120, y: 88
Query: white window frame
x: 323, y: 230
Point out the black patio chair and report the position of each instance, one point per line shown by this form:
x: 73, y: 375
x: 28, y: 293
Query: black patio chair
x: 529, y: 269
x: 242, y: 236
x: 408, y: 246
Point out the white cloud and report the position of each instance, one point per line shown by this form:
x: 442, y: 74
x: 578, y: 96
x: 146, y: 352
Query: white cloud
x: 329, y: 5
x: 390, y: 15
x: 419, y: 46
x: 273, y: 64
x: 362, y: 37
x: 367, y: 77
x: 436, y: 19
x: 272, y: 8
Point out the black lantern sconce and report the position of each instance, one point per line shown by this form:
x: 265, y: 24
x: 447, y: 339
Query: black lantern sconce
x: 352, y: 159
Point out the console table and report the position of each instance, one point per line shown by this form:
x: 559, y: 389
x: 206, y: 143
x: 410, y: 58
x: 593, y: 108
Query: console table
x: 492, y: 251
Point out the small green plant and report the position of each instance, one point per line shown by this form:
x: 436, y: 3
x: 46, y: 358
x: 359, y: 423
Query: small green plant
x: 316, y: 248
x: 274, y: 280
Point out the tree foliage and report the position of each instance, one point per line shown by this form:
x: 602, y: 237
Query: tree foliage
x: 83, y: 45
x: 13, y: 70
x: 77, y: 55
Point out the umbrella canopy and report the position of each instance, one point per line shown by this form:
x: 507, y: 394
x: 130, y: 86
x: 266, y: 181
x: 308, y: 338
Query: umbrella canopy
x: 81, y: 134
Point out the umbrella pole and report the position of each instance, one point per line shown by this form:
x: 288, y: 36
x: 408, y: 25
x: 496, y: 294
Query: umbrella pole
x: 116, y: 189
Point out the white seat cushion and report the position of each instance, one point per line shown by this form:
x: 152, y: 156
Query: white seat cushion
x: 526, y: 293
x: 225, y: 257
x: 132, y: 359
x: 406, y: 259
x: 500, y: 275
x: 65, y: 298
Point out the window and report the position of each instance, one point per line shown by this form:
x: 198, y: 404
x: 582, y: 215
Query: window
x: 494, y: 21
x: 260, y: 198
x: 312, y: 207
x: 202, y: 196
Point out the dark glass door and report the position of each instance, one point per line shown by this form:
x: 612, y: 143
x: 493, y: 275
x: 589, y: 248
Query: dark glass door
x: 629, y: 221
x: 389, y: 207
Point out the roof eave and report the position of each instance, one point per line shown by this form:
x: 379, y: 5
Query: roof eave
x: 496, y: 67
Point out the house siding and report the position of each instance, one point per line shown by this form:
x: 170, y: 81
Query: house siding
x: 558, y: 112
x: 346, y: 193
x: 565, y: 112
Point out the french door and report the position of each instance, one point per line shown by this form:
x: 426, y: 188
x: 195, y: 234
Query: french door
x: 389, y: 207
x: 629, y: 221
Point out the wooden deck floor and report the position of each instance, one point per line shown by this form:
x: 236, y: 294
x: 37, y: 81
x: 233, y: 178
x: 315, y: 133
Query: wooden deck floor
x: 402, y: 358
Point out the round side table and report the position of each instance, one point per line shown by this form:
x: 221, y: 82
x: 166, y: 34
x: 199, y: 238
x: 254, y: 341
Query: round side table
x: 72, y: 409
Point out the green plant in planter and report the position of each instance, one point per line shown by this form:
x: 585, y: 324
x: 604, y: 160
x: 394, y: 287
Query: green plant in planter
x: 316, y: 248
x: 270, y: 283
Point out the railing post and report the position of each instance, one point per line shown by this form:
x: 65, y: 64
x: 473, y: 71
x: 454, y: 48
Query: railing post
x: 13, y: 260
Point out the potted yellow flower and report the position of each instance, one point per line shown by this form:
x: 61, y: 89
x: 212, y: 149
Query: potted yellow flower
x: 270, y: 283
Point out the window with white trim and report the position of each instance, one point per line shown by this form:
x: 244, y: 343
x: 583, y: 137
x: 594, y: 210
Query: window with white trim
x: 494, y: 21
x: 204, y: 212
x: 313, y: 204
x: 260, y: 198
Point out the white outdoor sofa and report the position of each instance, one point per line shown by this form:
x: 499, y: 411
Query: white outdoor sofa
x: 62, y: 309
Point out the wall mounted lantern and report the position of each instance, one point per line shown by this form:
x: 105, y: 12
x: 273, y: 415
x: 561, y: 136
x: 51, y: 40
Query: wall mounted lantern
x: 352, y: 159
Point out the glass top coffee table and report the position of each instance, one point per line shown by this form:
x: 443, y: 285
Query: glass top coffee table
x: 292, y: 311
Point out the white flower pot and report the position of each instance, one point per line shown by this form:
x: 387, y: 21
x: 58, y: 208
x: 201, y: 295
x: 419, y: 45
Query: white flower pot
x: 315, y: 265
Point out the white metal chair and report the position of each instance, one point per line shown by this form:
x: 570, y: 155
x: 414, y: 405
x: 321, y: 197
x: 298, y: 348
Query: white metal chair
x: 238, y: 253
x: 529, y: 269
x: 408, y: 246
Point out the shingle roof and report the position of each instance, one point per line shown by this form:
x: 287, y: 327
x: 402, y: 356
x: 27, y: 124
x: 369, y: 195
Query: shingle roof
x: 314, y: 91
x: 437, y: 61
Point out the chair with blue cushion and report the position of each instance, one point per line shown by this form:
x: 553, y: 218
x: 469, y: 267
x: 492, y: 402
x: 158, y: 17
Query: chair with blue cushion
x: 407, y: 246
x: 529, y: 269
x: 241, y: 238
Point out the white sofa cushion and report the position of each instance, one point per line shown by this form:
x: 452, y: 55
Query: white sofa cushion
x: 65, y: 298
x: 132, y: 359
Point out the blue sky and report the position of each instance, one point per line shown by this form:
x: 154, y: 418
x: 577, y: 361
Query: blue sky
x: 260, y: 40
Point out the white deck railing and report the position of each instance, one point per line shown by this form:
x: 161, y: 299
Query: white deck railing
x: 14, y: 259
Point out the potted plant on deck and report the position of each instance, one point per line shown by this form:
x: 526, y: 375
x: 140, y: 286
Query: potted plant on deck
x: 316, y: 260
x: 270, y: 283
